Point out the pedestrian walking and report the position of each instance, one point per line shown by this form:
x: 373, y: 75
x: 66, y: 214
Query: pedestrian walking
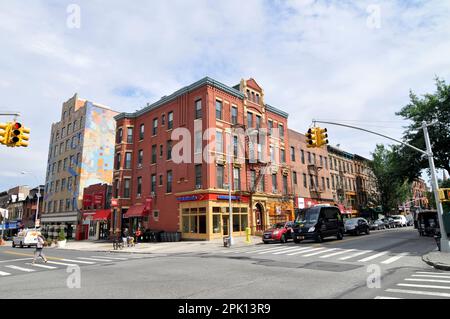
x: 125, y: 235
x: 39, y: 248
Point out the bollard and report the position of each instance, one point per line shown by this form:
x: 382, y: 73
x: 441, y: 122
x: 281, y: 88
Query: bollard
x: 248, y: 233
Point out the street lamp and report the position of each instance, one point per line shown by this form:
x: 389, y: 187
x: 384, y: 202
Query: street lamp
x: 38, y: 197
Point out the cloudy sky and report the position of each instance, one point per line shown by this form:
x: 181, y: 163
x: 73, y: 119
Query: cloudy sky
x: 348, y: 61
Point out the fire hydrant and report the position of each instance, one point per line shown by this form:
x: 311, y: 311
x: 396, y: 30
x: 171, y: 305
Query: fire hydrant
x: 248, y: 233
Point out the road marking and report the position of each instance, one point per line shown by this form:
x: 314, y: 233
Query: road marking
x: 305, y: 251
x: 41, y: 266
x: 383, y: 297
x: 113, y: 258
x: 424, y: 286
x: 59, y: 263
x: 242, y: 249
x: 433, y: 273
x: 395, y: 258
x: 20, y: 268
x: 261, y: 250
x: 417, y: 292
x: 274, y: 250
x: 429, y: 280
x: 373, y: 256
x: 290, y: 250
x: 12, y: 260
x: 431, y: 276
x: 2, y: 273
x: 79, y: 261
x: 356, y: 255
x: 338, y: 253
x: 93, y: 259
x: 320, y: 252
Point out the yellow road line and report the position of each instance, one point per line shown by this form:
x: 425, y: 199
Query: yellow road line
x: 29, y: 255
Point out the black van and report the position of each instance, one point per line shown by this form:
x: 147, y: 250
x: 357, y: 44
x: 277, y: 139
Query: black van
x: 317, y: 223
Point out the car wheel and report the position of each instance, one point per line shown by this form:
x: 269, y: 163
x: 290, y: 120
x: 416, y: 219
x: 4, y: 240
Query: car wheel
x: 296, y: 241
x: 283, y: 238
x: 367, y: 231
x: 340, y: 235
x: 266, y: 242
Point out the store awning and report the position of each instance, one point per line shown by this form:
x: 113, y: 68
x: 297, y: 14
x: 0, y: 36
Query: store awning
x: 104, y: 214
x: 341, y: 208
x: 135, y: 211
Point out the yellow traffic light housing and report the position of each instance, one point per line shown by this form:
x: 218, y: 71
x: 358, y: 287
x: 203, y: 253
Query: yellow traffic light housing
x: 322, y: 136
x: 311, y: 137
x: 4, y: 133
x: 13, y: 134
x: 444, y: 194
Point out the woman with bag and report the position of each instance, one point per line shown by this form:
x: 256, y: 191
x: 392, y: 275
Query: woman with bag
x: 39, y: 248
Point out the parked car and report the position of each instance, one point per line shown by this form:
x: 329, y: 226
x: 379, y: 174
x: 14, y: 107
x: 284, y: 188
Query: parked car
x: 356, y: 226
x: 400, y: 221
x: 390, y: 223
x: 319, y: 222
x: 278, y: 232
x: 26, y: 237
x: 377, y: 225
x: 410, y: 220
x: 428, y: 223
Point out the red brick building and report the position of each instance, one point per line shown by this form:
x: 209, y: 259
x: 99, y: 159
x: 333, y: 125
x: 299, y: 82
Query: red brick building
x: 96, y: 212
x: 154, y: 190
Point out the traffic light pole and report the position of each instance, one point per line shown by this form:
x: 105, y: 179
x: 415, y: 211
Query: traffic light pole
x: 445, y: 244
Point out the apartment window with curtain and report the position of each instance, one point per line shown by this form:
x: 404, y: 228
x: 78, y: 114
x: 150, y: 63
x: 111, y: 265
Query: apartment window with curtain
x: 155, y: 127
x: 237, y: 178
x: 294, y: 175
x: 139, y: 186
x: 129, y: 135
x: 274, y: 183
x: 153, y: 154
x: 119, y: 136
x: 170, y: 121
x: 140, y: 157
x: 198, y: 109
x: 163, y: 119
x: 153, y: 183
x: 126, y: 188
x: 285, y: 185
x: 127, y: 160
x: 219, y: 110
x: 219, y: 175
x: 141, y: 131
x: 234, y: 115
x: 198, y: 175
x: 235, y: 146
x: 270, y: 126
x: 258, y: 122
x: 283, y: 156
x: 169, y: 150
x: 292, y: 153
x: 219, y: 142
x: 281, y: 129
x: 305, y: 181
x: 169, y: 182
x: 117, y: 161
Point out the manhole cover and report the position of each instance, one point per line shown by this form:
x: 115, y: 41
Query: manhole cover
x: 325, y: 266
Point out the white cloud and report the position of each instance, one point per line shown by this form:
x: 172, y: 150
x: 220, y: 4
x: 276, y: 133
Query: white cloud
x: 315, y: 59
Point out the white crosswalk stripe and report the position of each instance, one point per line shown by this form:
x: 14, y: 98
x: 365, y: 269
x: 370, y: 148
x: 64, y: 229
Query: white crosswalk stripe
x: 258, y: 251
x: 418, y: 292
x: 2, y: 273
x: 337, y: 253
x: 320, y: 252
x: 395, y: 258
x: 20, y: 268
x: 113, y: 258
x: 432, y: 276
x: 424, y: 286
x: 356, y: 254
x: 305, y: 251
x: 94, y: 259
x: 59, y: 263
x: 41, y: 266
x: 428, y: 280
x: 432, y: 273
x: 78, y: 261
x: 373, y: 256
x: 383, y: 297
x: 290, y: 250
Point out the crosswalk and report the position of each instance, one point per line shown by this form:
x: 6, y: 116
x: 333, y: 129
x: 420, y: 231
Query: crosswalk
x: 322, y: 253
x: 421, y: 284
x: 24, y: 265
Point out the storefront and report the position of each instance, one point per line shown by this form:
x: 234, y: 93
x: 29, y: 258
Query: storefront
x: 207, y: 216
x: 99, y: 223
x: 136, y: 217
x: 268, y: 210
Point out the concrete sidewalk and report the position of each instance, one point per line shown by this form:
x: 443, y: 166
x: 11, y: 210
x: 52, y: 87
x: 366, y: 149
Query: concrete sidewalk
x: 438, y: 260
x: 159, y: 247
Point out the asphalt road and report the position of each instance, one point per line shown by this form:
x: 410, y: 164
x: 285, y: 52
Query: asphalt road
x: 384, y: 264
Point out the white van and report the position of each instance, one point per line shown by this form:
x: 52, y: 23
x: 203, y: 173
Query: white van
x: 26, y: 237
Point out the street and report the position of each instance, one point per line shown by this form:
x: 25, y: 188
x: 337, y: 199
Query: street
x: 332, y: 269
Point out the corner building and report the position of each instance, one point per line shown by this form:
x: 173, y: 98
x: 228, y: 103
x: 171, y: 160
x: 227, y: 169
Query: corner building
x: 155, y: 192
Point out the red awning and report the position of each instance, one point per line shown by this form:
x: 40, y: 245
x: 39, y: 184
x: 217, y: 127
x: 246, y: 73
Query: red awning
x: 135, y: 211
x: 341, y: 208
x: 104, y: 214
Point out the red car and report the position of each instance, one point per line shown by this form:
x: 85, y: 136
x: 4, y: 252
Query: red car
x: 279, y: 232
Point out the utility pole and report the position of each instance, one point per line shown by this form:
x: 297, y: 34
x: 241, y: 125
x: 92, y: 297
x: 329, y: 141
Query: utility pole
x: 444, y: 244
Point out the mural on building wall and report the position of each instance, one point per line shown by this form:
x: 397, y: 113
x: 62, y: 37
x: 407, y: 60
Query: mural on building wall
x: 97, y: 161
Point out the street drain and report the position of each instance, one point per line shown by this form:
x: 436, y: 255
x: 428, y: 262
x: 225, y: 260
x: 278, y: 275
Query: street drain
x: 326, y: 266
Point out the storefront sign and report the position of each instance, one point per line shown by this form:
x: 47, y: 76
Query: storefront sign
x: 98, y: 199
x: 226, y: 197
x: 87, y: 200
x: 188, y: 198
x: 211, y: 197
x: 114, y: 202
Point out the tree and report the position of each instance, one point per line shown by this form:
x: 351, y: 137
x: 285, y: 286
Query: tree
x: 430, y: 108
x: 393, y: 187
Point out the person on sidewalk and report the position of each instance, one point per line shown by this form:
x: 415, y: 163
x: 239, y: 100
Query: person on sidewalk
x: 39, y: 248
x: 125, y: 235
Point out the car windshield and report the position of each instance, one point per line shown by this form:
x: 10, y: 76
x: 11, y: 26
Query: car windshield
x: 311, y: 216
x: 278, y: 225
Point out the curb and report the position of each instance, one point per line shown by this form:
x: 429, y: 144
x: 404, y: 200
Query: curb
x: 439, y: 266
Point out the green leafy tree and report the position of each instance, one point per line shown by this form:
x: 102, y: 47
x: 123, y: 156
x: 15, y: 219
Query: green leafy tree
x: 430, y: 108
x: 61, y: 235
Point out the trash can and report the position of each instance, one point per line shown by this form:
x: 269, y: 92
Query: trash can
x: 226, y: 241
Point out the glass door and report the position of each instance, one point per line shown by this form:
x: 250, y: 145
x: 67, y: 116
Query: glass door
x: 225, y: 225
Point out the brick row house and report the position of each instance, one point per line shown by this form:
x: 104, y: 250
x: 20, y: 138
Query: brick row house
x: 158, y: 184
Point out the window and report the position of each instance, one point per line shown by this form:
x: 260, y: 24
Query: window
x: 281, y: 128
x: 161, y: 151
x: 118, y: 161
x: 61, y: 148
x: 283, y: 156
x: 129, y: 135
x: 126, y: 188
x: 127, y: 160
x: 220, y: 169
x: 285, y: 185
x: 219, y: 142
x: 169, y: 182
x: 155, y: 127
x: 75, y: 125
x: 292, y: 153
x: 198, y: 175
x: 116, y: 188
x: 160, y: 180
x: 65, y: 164
x: 258, y: 122
x: 170, y: 121
x: 67, y: 204
x: 140, y: 157
x: 328, y: 183
x: 69, y: 127
x: 326, y: 162
x: 314, y: 158
x: 198, y: 109
x: 309, y: 158
x: 294, y: 174
x: 153, y: 154
x: 67, y: 145
x: 198, y: 142
x: 274, y: 183
x: 194, y: 221
x: 61, y: 205
x: 59, y: 166
x: 218, y: 110
x: 119, y: 136
x: 305, y: 181
x: 302, y: 155
x: 141, y: 131
x: 139, y: 186
x: 234, y: 115
x: 71, y: 161
x: 272, y: 154
x: 169, y: 150
x: 69, y: 183
x: 257, y: 98
x: 153, y: 183
x: 331, y: 163
x: 57, y: 186
x: 323, y: 182
x: 163, y: 119
x: 270, y: 126
x: 235, y: 146
x: 249, y: 120
x: 237, y: 178
x: 63, y: 131
x: 321, y: 160
x: 63, y: 185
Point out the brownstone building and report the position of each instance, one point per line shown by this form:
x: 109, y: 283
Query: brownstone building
x: 162, y: 186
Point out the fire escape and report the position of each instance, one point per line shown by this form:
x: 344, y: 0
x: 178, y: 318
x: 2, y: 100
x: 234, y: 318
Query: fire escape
x: 315, y: 189
x: 340, y: 189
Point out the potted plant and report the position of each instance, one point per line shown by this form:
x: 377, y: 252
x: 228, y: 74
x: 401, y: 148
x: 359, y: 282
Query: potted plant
x: 61, y: 239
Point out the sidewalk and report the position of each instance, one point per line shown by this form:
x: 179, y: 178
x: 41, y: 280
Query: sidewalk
x: 438, y: 260
x: 159, y: 247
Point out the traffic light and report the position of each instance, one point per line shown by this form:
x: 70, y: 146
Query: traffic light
x: 4, y: 133
x: 444, y: 194
x: 13, y: 134
x: 311, y: 137
x: 322, y: 136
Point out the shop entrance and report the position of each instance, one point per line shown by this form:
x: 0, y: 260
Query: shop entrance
x: 225, y: 225
x: 259, y: 214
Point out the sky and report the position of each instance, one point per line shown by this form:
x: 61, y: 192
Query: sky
x: 353, y: 62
